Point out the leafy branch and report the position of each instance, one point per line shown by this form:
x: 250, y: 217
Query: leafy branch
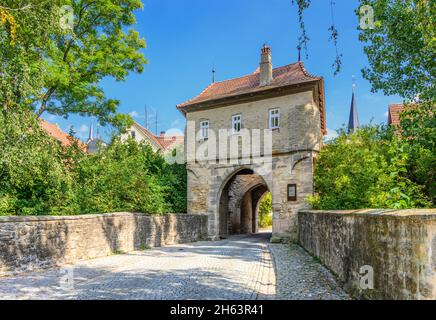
x: 303, y: 39
x: 27, y: 6
x: 334, y: 37
x: 8, y: 20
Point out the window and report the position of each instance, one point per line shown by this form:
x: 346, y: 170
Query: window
x: 236, y: 123
x: 133, y: 134
x: 274, y: 119
x: 204, y: 130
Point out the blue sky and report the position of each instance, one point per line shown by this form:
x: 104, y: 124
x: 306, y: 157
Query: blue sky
x: 186, y: 38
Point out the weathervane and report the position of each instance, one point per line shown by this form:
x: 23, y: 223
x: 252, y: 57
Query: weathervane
x: 213, y: 74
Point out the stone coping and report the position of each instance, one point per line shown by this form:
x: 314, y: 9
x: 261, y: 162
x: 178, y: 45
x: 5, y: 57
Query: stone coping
x: 9, y: 219
x: 404, y: 213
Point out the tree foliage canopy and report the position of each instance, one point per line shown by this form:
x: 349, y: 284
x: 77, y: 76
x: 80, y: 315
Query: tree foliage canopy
x: 50, y: 67
x: 401, y: 49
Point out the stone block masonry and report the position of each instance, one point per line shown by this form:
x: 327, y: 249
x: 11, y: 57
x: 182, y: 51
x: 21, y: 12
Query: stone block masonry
x: 399, y: 246
x: 31, y: 243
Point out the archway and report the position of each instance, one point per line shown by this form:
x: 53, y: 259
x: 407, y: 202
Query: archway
x: 239, y: 202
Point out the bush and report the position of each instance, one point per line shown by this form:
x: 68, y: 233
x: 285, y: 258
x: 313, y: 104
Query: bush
x: 34, y: 179
x: 129, y: 177
x: 39, y: 177
x: 366, y: 169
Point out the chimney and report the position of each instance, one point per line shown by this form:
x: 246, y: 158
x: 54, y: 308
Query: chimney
x: 266, y: 74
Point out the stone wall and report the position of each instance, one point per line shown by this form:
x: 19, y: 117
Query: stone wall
x: 28, y: 243
x: 400, y: 246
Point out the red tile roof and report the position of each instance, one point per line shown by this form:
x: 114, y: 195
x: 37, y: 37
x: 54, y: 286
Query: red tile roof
x: 54, y: 131
x: 293, y: 74
x: 287, y: 75
x: 394, y: 113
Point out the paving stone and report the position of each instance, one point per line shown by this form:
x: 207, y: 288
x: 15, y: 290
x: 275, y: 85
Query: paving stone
x: 238, y: 268
x: 300, y: 277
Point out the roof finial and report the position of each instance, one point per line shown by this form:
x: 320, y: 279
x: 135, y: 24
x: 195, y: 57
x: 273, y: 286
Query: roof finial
x: 299, y: 53
x: 213, y: 74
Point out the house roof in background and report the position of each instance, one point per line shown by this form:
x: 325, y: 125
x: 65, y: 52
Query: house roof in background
x: 54, y: 131
x: 394, y: 113
x: 170, y: 142
x: 148, y: 134
x: 162, y: 142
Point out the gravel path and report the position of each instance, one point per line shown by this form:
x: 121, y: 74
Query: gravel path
x: 239, y: 268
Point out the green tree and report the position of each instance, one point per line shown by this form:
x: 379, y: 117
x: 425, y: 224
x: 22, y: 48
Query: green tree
x: 399, y: 44
x: 367, y: 169
x: 25, y: 31
x: 101, y: 44
x: 34, y: 179
x: 57, y: 69
x: 401, y: 48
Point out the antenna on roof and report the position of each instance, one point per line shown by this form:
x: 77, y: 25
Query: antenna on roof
x: 299, y: 53
x: 156, y: 124
x: 213, y: 74
x: 146, y: 117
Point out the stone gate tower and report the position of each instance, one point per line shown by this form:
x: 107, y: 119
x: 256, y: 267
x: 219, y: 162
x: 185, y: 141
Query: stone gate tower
x: 229, y: 171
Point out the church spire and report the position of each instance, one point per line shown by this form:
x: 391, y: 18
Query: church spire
x: 353, y: 122
x: 91, y: 133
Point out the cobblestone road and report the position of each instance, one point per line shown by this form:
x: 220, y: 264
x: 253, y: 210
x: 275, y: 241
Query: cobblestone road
x: 237, y: 268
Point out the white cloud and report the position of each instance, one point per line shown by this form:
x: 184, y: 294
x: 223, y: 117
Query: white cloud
x: 331, y: 134
x: 386, y: 114
x: 134, y: 114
